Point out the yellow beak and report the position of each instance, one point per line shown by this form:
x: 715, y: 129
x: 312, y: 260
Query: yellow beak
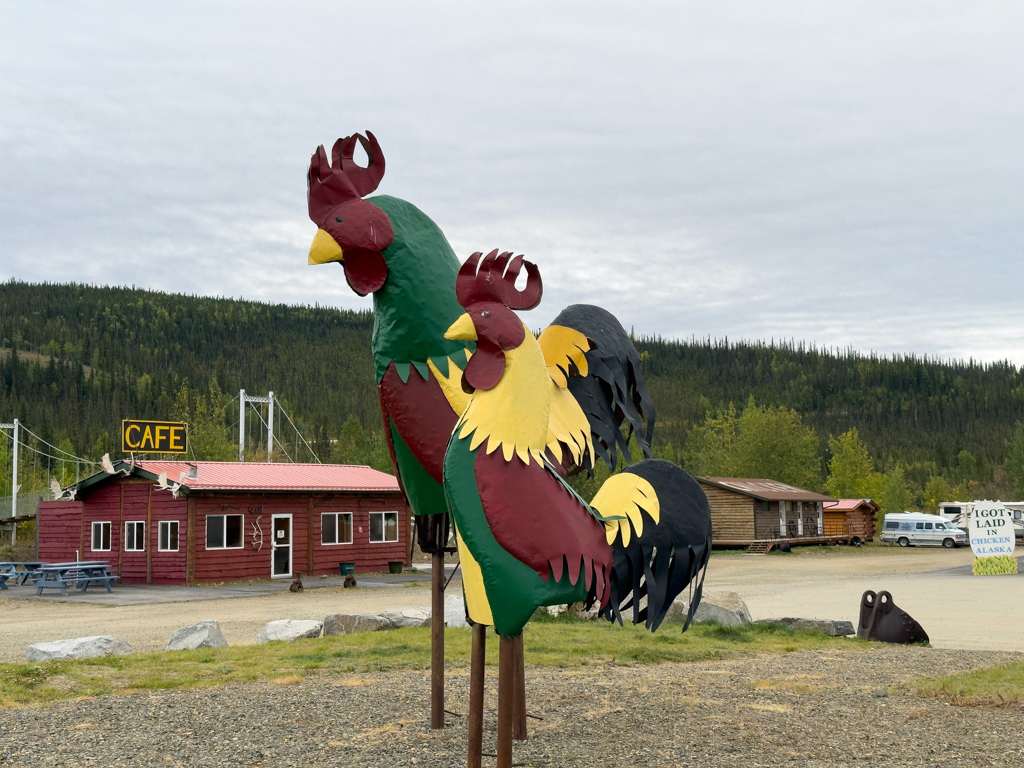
x: 462, y: 329
x: 324, y: 249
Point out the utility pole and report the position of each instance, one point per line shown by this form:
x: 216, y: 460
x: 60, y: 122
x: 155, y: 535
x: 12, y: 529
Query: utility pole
x: 270, y: 428
x: 14, y: 477
x: 241, y: 425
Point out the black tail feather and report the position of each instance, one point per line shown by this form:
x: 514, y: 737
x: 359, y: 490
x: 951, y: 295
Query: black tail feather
x: 669, y: 556
x: 613, y: 391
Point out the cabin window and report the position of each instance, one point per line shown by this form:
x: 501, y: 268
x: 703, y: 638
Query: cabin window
x: 101, y: 537
x: 336, y: 528
x: 383, y: 527
x: 168, y: 536
x: 134, y: 536
x: 224, y: 531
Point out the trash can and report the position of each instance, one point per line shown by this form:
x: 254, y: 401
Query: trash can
x: 347, y: 569
x: 396, y: 566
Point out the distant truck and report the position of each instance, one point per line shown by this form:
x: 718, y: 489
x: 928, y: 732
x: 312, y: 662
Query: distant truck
x: 917, y: 529
x: 958, y: 513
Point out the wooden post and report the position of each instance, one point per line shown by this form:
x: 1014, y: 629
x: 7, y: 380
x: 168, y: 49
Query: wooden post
x: 506, y: 685
x: 120, y: 527
x: 519, y: 694
x: 437, y: 629
x: 310, y: 564
x: 476, y: 697
x: 149, y: 536
x: 190, y: 541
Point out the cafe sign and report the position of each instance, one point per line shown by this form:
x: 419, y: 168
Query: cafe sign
x: 154, y: 436
x: 991, y: 530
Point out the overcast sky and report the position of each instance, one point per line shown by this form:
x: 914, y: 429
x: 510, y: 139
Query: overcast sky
x: 841, y: 174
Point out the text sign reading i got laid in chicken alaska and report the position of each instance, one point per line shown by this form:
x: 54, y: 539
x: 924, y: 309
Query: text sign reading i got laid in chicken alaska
x: 991, y: 530
x: 154, y: 436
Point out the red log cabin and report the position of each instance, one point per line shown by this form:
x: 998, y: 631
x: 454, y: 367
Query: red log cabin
x: 229, y: 521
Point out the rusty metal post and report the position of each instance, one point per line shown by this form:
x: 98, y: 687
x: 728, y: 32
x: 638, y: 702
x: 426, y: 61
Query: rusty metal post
x: 506, y: 685
x: 476, y: 696
x: 519, y: 694
x: 437, y: 632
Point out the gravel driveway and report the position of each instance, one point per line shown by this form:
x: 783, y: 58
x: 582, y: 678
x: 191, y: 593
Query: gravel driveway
x: 820, y: 708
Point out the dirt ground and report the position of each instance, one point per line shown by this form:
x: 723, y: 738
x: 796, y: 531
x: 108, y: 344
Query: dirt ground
x: 935, y: 586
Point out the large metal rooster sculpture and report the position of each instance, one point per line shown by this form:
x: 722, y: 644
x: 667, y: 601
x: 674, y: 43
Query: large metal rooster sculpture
x: 526, y: 539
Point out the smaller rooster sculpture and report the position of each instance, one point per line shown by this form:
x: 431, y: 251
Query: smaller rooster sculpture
x: 525, y: 538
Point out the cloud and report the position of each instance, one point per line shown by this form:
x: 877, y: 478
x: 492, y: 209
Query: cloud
x: 842, y: 174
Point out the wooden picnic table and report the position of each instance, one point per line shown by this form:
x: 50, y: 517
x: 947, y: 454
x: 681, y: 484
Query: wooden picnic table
x: 80, y: 574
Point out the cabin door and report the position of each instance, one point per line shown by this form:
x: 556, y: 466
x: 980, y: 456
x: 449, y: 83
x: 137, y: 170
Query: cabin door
x: 281, y: 546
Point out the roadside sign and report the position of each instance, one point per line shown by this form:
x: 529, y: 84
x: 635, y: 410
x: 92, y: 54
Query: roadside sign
x: 154, y: 436
x: 991, y: 530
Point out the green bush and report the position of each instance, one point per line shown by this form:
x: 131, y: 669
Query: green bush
x: 994, y: 566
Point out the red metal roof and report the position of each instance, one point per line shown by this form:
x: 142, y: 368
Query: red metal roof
x: 257, y: 476
x: 848, y: 505
x: 769, y: 490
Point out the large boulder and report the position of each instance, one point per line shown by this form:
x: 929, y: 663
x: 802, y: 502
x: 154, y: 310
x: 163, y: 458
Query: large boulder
x: 725, y: 608
x: 205, y: 634
x: 350, y: 624
x: 78, y: 648
x: 455, y: 611
x: 289, y: 629
x: 829, y: 627
x: 407, y: 617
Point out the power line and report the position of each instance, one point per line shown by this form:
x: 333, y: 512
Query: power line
x: 56, y: 448
x: 303, y: 439
x: 281, y: 444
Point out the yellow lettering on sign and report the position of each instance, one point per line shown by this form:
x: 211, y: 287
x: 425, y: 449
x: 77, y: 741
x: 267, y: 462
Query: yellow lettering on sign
x: 177, y: 433
x: 132, y: 443
x: 147, y: 436
x: 159, y: 436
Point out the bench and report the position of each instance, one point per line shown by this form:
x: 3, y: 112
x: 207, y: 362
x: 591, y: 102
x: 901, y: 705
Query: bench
x: 4, y: 576
x: 60, y: 578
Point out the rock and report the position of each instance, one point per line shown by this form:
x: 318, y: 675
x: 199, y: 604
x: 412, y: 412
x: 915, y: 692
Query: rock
x: 455, y: 611
x: 205, y: 634
x: 78, y: 648
x: 289, y: 629
x: 575, y: 610
x: 825, y: 626
x: 407, y: 617
x: 726, y: 608
x: 556, y: 610
x: 350, y: 624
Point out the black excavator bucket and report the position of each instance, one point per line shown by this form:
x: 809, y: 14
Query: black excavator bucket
x: 883, y: 621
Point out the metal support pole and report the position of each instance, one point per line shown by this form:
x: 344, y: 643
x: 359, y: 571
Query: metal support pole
x: 14, y: 485
x: 241, y: 425
x: 437, y: 630
x: 474, y: 753
x: 506, y: 684
x: 519, y: 694
x: 270, y: 427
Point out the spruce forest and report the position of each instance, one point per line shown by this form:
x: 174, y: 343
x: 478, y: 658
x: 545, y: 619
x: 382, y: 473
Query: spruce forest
x: 75, y: 360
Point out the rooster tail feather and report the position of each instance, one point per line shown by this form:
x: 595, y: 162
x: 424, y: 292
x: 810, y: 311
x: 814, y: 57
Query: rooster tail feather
x: 655, y: 560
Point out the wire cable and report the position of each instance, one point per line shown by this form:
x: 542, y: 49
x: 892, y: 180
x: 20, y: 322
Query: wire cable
x: 280, y: 444
x: 303, y: 439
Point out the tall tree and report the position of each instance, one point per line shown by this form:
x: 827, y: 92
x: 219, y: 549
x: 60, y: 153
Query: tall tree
x: 851, y: 472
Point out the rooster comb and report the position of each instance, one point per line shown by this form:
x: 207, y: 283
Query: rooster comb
x: 328, y: 185
x: 493, y: 278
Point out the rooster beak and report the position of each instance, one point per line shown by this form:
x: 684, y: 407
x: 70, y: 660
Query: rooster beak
x: 324, y: 249
x: 462, y: 329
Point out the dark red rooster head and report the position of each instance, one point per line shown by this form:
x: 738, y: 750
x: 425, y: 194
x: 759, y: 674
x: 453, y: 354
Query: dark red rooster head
x: 351, y: 230
x: 486, y: 288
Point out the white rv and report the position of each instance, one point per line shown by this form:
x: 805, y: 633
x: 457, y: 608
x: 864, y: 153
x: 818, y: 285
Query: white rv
x: 917, y: 529
x: 959, y: 512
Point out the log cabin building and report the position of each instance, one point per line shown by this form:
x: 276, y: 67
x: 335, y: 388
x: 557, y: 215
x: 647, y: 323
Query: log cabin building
x: 745, y: 511
x: 229, y: 521
x: 853, y: 517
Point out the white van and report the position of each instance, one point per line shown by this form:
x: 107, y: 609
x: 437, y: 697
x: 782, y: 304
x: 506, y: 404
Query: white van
x: 921, y: 530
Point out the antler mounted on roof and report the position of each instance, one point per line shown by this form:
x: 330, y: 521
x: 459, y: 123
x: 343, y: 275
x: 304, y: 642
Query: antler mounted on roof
x: 329, y: 184
x: 494, y: 279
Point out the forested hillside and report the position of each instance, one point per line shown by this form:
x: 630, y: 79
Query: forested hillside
x: 75, y: 360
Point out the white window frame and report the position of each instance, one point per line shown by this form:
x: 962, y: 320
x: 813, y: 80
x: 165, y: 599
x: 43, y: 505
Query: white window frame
x: 224, y: 532
x: 337, y: 528
x: 99, y: 524
x: 160, y: 540
x: 134, y: 538
x: 383, y: 528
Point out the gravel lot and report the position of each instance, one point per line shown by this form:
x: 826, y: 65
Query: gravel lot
x: 821, y: 708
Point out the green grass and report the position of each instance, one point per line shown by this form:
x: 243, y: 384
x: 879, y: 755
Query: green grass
x: 1001, y: 685
x: 550, y: 642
